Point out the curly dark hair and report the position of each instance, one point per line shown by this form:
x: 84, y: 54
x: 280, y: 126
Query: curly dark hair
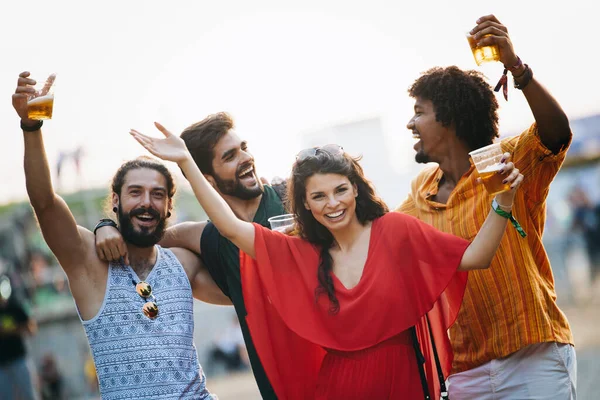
x: 368, y: 207
x: 462, y: 98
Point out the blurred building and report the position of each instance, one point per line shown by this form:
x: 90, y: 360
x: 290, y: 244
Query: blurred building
x: 363, y: 138
x: 566, y: 246
x: 581, y: 169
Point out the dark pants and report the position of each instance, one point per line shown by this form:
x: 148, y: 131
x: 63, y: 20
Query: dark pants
x: 15, y: 381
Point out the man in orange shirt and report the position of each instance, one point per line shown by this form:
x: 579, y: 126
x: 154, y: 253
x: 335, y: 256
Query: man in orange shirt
x: 510, y: 340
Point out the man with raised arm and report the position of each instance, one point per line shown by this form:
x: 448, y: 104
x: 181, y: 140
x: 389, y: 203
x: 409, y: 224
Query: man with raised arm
x: 138, y: 316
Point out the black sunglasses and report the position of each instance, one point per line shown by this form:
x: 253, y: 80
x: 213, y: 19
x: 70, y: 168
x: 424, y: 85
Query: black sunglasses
x: 332, y: 149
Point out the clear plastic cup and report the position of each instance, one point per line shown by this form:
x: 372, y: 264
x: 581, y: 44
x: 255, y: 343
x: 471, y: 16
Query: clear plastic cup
x: 483, y: 53
x: 41, y: 104
x: 487, y: 162
x: 282, y: 223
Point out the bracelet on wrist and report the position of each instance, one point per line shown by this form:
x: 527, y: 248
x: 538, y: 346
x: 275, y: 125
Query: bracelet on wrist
x: 502, y: 206
x: 32, y: 128
x: 509, y: 216
x: 515, y: 67
x: 105, y: 222
x: 523, y: 78
x: 515, y: 76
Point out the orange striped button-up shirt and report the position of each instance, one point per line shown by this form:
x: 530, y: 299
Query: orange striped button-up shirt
x: 512, y: 304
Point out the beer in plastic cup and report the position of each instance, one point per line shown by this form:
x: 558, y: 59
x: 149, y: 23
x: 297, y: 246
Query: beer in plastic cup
x: 41, y: 105
x: 484, y: 53
x: 488, y: 165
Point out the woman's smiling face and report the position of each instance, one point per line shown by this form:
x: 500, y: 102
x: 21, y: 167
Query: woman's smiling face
x: 331, y: 198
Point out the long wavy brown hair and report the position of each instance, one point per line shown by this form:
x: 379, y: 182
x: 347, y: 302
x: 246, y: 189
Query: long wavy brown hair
x: 368, y: 207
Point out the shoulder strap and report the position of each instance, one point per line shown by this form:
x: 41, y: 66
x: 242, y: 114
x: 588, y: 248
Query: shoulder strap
x: 421, y: 362
x: 438, y: 365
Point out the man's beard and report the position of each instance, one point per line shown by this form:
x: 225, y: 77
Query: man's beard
x: 235, y: 188
x: 421, y: 157
x: 147, y: 236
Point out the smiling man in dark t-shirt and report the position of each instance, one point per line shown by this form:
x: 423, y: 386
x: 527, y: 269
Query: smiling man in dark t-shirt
x: 222, y: 259
x: 227, y: 164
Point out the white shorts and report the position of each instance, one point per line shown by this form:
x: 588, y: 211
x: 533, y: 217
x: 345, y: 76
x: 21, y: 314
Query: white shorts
x: 541, y: 371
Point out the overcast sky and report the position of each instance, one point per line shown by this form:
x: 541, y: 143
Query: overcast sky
x: 280, y: 67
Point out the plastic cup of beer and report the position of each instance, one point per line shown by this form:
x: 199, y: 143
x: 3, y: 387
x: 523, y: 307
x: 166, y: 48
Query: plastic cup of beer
x: 484, y: 53
x: 41, y: 104
x: 282, y: 223
x: 488, y: 165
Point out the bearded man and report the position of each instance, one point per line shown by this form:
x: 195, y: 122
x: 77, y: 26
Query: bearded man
x: 138, y: 315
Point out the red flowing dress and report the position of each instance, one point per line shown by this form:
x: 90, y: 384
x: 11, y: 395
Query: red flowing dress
x: 365, y: 350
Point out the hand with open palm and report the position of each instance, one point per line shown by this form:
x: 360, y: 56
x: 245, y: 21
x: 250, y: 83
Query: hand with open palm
x: 171, y: 148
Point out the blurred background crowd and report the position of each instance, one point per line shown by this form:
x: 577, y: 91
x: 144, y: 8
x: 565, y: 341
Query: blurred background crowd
x: 58, y: 353
x: 293, y: 75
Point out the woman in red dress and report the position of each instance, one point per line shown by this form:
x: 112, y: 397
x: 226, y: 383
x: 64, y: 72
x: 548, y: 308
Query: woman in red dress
x: 346, y: 308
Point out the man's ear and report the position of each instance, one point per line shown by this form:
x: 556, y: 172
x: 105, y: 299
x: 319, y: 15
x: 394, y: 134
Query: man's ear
x: 115, y: 201
x: 170, y: 207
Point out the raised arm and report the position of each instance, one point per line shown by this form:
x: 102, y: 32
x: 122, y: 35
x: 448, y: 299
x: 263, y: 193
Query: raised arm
x: 552, y: 122
x: 57, y: 224
x: 172, y: 148
x: 482, y: 249
x: 185, y: 234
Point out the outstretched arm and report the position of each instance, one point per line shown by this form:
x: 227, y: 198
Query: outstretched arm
x: 172, y: 148
x: 481, y: 251
x: 184, y: 234
x: 552, y: 122
x: 110, y: 245
x: 57, y: 224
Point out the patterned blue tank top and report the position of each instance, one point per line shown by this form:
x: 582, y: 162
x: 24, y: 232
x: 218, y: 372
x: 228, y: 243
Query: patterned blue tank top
x: 140, y: 358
